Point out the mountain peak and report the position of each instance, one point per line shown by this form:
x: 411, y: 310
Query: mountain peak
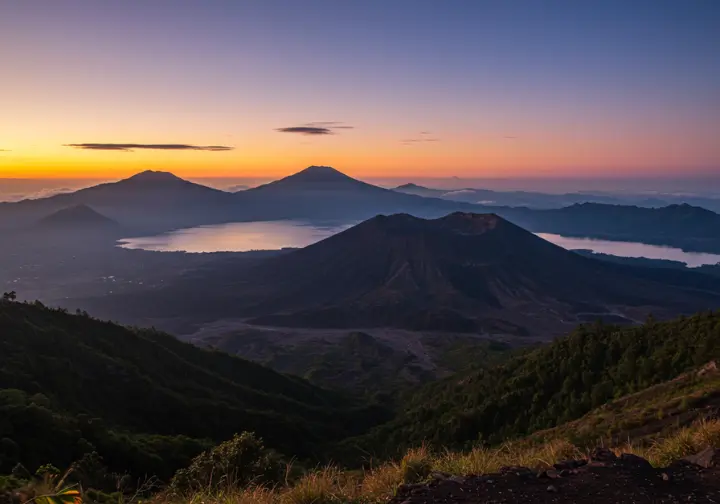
x: 314, y: 178
x: 321, y: 173
x: 152, y: 176
x: 410, y: 185
x: 472, y: 221
x: 77, y: 216
x: 458, y: 222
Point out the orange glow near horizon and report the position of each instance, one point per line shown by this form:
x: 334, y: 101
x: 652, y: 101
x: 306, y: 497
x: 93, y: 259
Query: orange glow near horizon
x: 412, y: 91
x: 271, y: 154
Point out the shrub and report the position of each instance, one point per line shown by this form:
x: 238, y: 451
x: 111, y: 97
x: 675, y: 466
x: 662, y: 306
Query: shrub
x: 237, y: 462
x: 415, y: 466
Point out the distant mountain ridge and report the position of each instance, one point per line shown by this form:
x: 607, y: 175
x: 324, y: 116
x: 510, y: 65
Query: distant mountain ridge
x: 684, y: 226
x: 154, y: 202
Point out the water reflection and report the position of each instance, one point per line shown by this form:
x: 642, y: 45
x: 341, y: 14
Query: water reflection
x: 632, y: 249
x: 237, y: 237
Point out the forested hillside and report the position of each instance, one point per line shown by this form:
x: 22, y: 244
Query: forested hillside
x: 70, y: 384
x: 552, y: 384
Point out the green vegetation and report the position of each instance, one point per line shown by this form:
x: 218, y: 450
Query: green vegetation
x: 653, y: 412
x: 144, y: 401
x: 551, y: 385
x: 103, y: 401
x: 238, y: 462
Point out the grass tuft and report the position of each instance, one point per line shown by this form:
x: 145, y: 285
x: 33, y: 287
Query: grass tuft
x: 330, y: 485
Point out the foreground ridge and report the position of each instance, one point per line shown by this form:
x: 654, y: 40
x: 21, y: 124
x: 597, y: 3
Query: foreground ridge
x: 602, y: 478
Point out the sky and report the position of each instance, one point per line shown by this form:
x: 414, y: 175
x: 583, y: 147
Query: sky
x: 403, y: 88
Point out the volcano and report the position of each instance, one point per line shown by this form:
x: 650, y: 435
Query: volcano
x: 460, y: 273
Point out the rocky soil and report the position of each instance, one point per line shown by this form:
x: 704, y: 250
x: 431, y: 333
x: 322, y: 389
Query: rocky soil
x: 602, y: 478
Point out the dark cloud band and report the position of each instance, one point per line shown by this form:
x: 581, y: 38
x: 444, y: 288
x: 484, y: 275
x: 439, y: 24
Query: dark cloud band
x: 315, y: 128
x: 130, y: 147
x: 306, y: 130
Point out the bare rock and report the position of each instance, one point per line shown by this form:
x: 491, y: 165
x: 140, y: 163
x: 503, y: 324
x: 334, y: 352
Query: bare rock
x: 517, y: 471
x: 602, y: 455
x: 570, y: 464
x: 439, y: 475
x: 709, y: 457
x: 630, y: 460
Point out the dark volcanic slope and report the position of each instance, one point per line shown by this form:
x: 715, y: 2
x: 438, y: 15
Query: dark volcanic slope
x: 604, y: 479
x: 462, y: 272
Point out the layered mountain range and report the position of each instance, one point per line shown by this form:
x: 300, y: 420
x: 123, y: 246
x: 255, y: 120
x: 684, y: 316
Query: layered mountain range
x: 152, y: 202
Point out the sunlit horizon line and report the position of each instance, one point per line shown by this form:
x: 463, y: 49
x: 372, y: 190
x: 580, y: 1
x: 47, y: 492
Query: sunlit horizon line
x: 560, y: 177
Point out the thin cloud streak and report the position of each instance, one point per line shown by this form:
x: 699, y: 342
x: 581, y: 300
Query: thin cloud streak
x: 315, y: 128
x: 424, y: 137
x: 129, y: 147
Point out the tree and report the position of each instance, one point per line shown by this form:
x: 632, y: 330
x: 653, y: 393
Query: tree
x: 9, y: 296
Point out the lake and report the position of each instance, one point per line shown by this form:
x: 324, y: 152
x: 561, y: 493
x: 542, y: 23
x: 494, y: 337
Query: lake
x: 273, y: 235
x: 237, y: 237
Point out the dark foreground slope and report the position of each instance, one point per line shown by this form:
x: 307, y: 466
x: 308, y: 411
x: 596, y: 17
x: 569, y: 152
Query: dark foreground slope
x: 70, y: 384
x: 553, y: 384
x: 603, y: 479
x: 461, y: 273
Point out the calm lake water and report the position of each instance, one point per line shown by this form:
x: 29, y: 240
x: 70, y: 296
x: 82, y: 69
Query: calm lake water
x: 237, y: 237
x: 245, y: 236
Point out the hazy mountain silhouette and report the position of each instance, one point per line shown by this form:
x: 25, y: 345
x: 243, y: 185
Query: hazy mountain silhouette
x: 317, y: 178
x: 512, y: 198
x: 150, y: 200
x: 419, y: 190
x: 78, y: 217
x: 321, y: 192
x: 685, y: 226
x: 462, y: 272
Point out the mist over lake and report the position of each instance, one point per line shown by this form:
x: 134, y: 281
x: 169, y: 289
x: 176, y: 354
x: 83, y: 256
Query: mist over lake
x: 273, y: 235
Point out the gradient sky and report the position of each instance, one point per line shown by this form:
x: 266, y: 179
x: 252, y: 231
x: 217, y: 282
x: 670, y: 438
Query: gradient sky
x: 473, y: 88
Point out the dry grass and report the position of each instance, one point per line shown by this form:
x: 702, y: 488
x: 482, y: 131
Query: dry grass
x: 330, y: 485
x: 487, y: 460
x: 685, y: 441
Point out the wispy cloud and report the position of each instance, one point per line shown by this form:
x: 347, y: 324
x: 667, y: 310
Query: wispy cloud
x: 128, y: 147
x: 4, y: 150
x: 510, y: 137
x: 315, y: 128
x: 425, y: 136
